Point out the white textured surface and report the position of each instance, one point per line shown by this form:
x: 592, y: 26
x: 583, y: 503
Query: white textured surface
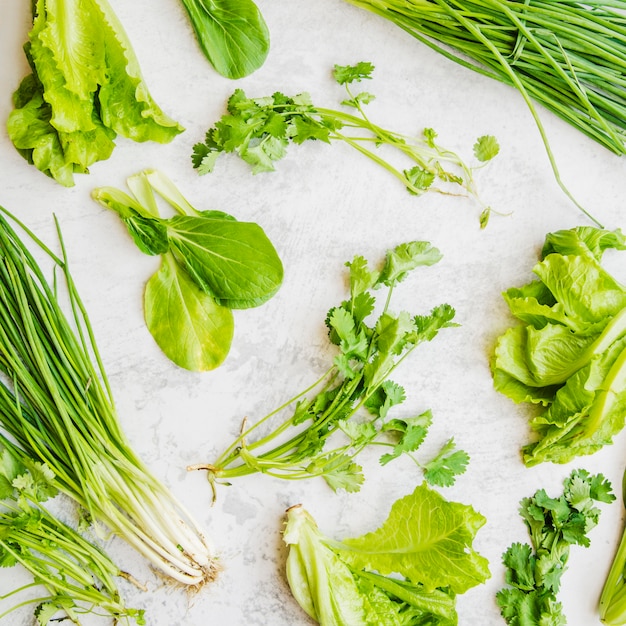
x: 324, y: 205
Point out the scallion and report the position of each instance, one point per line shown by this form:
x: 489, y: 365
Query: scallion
x: 568, y: 56
x: 56, y: 403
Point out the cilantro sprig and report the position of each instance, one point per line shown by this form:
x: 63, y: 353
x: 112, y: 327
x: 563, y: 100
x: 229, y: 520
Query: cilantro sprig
x: 534, y: 571
x: 259, y: 130
x: 77, y: 576
x: 347, y: 409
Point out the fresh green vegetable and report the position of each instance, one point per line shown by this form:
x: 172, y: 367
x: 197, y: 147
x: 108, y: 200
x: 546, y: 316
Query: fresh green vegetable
x: 533, y: 572
x: 350, y: 407
x: 56, y: 404
x: 232, y: 34
x: 612, y: 604
x: 210, y: 264
x: 78, y: 576
x: 85, y: 88
x: 260, y: 129
x: 409, y: 571
x: 568, y: 56
x: 569, y: 353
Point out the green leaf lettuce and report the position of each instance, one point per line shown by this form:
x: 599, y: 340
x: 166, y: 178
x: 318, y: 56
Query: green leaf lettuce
x: 569, y: 353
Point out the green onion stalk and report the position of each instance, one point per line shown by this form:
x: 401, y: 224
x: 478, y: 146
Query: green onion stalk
x: 568, y: 56
x: 77, y: 576
x: 612, y: 606
x: 57, y: 405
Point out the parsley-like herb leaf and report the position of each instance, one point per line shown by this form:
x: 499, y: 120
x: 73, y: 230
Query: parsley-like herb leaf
x: 259, y: 130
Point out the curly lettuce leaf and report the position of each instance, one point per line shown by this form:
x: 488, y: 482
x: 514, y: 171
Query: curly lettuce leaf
x: 336, y: 588
x: 85, y: 88
x: 425, y: 539
x: 568, y: 354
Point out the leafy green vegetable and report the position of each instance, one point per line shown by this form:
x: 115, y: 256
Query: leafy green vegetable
x: 534, y: 572
x: 612, y: 605
x: 409, y: 571
x: 211, y: 263
x: 566, y: 55
x: 260, y: 129
x: 232, y: 34
x: 77, y: 575
x: 85, y: 88
x: 569, y: 354
x: 56, y: 404
x: 351, y: 401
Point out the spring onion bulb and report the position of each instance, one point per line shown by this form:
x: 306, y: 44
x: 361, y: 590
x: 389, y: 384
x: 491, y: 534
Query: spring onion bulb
x: 56, y: 404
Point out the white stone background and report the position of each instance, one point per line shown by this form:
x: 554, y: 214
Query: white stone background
x: 323, y: 205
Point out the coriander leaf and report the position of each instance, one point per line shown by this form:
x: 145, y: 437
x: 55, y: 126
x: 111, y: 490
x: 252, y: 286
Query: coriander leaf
x: 405, y: 258
x: 534, y: 572
x: 419, y: 179
x: 360, y: 98
x: 259, y: 130
x: 446, y: 466
x: 411, y: 431
x: 353, y: 73
x: 520, y: 563
x: 339, y: 471
x: 486, y: 148
x: 353, y: 342
x: 384, y: 397
x: 362, y: 279
x: 434, y: 548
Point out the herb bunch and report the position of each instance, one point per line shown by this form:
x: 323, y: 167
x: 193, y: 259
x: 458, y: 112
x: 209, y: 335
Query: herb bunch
x: 260, y: 129
x: 534, y: 570
x: 347, y: 409
x: 568, y: 56
x: 78, y: 576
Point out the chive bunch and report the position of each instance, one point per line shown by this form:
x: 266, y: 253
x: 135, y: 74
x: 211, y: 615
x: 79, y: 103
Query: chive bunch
x: 56, y: 404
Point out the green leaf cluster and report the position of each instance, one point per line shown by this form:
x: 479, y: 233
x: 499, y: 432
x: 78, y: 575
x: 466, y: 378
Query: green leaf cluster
x: 260, y: 130
x: 232, y: 34
x: 210, y: 264
x: 408, y: 571
x: 78, y: 577
x: 534, y: 572
x: 569, y: 352
x: 85, y: 88
x: 348, y: 408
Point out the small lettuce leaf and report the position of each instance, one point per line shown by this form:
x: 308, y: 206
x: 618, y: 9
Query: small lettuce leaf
x: 425, y: 539
x: 335, y: 589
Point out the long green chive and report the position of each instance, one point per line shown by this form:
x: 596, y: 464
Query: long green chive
x: 56, y: 403
x: 569, y: 56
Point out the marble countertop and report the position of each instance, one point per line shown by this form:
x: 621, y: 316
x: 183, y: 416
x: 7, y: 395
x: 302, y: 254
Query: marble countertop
x: 323, y: 205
